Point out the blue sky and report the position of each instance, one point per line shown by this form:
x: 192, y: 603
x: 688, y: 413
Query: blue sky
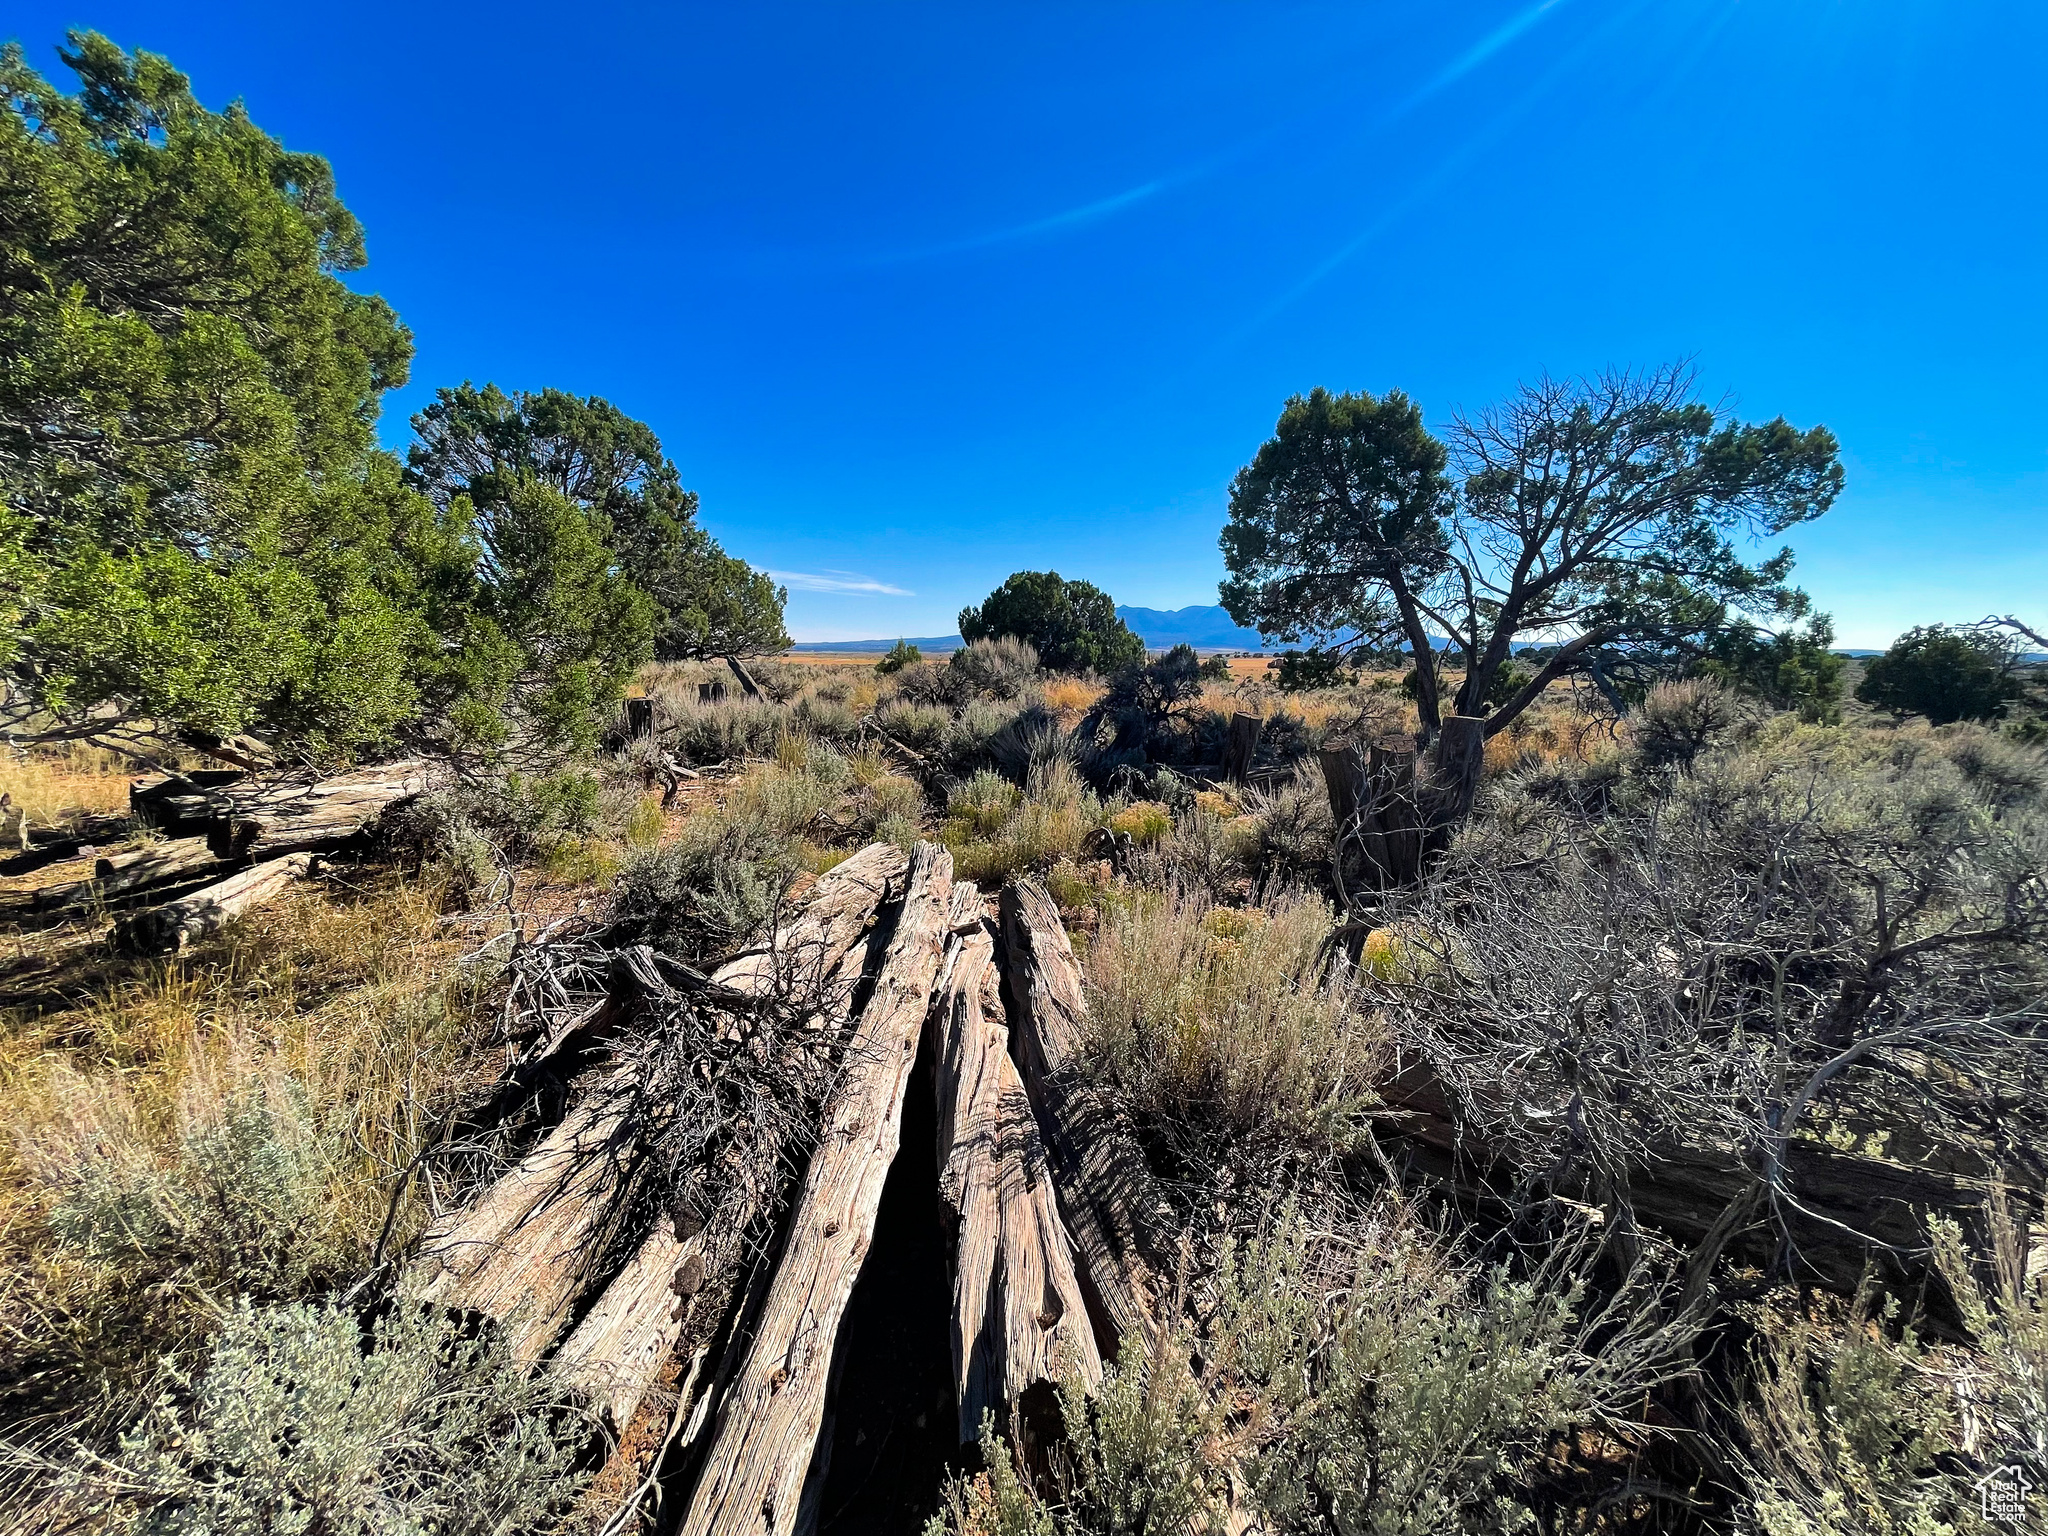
x: 920, y: 295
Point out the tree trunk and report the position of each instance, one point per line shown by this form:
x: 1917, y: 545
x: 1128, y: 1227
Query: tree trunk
x: 746, y: 678
x: 1241, y: 746
x: 1456, y: 764
x: 119, y: 872
x: 174, y: 925
x: 768, y: 1422
x: 1374, y: 802
x: 1020, y: 1322
x: 1096, y: 1166
x: 639, y: 718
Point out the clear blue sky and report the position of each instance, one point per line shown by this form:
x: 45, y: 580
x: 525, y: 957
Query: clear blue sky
x: 921, y: 295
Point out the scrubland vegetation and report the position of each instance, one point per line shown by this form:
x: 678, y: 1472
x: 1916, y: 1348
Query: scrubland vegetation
x: 1576, y: 1037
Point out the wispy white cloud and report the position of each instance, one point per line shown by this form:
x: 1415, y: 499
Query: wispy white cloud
x: 838, y: 581
x: 1479, y: 53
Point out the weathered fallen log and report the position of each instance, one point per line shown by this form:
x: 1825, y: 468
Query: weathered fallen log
x: 615, y: 1352
x: 1847, y: 1212
x: 265, y: 819
x: 536, y: 1241
x: 746, y: 678
x: 768, y: 1419
x: 1020, y: 1323
x: 1096, y: 1165
x: 175, y: 924
x: 122, y: 874
x: 182, y: 804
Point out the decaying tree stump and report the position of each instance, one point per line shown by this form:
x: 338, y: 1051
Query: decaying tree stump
x: 768, y: 1420
x: 1096, y: 1166
x: 1374, y: 798
x: 1241, y: 746
x: 175, y: 924
x: 1020, y: 1322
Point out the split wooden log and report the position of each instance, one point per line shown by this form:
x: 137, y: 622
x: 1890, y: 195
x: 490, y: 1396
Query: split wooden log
x: 1020, y: 1322
x: 123, y: 873
x: 266, y: 819
x: 615, y: 1353
x: 768, y: 1421
x: 175, y: 924
x: 527, y: 1251
x: 182, y: 804
x: 1096, y: 1165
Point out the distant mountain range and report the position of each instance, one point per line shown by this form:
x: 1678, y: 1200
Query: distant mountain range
x: 1205, y: 628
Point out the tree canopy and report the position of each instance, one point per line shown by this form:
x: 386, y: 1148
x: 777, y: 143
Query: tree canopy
x: 187, y: 396
x: 482, y: 443
x: 1596, y: 517
x: 1072, y: 624
x: 1944, y: 673
x: 198, y: 531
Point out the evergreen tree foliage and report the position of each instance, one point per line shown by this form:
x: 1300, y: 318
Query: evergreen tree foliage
x: 1072, y: 624
x: 483, y: 443
x: 1943, y: 673
x: 187, y: 395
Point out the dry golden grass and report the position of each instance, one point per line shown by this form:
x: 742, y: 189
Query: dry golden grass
x: 1070, y: 695
x: 55, y: 787
x: 341, y: 1012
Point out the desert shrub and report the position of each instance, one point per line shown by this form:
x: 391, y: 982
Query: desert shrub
x: 1142, y: 821
x: 984, y: 803
x: 931, y: 682
x: 919, y: 726
x: 1058, y: 811
x: 977, y: 735
x: 1294, y: 826
x: 827, y: 719
x: 1944, y: 673
x: 998, y: 668
x: 716, y: 733
x: 2006, y: 772
x: 1366, y: 1384
x: 299, y: 1423
x: 1204, y: 851
x: 1846, y: 1424
x: 237, y: 1207
x: 713, y: 889
x: 1677, y: 721
x: 889, y: 807
x: 1214, y: 1030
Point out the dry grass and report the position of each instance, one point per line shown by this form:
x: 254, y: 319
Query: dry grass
x: 55, y: 787
x: 326, y: 1038
x: 1211, y: 1025
x: 1071, y: 695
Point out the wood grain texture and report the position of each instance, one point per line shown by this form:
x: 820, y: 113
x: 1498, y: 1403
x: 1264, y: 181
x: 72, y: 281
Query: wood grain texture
x: 1019, y: 1321
x: 615, y: 1352
x: 1097, y: 1168
x: 768, y: 1421
x: 529, y: 1249
x: 265, y: 818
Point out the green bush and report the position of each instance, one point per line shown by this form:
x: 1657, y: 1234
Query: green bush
x: 1071, y: 624
x: 920, y: 727
x: 901, y: 655
x: 712, y: 890
x: 1943, y: 673
x: 984, y: 803
x: 298, y: 1423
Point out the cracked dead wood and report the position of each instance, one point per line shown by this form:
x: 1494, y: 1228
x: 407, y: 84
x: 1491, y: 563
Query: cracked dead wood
x: 175, y: 924
x: 1097, y: 1168
x: 1020, y: 1323
x: 536, y: 1241
x: 768, y: 1419
x: 264, y: 818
